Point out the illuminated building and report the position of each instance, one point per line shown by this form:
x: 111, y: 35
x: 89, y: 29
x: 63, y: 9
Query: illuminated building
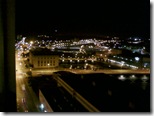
x: 43, y: 58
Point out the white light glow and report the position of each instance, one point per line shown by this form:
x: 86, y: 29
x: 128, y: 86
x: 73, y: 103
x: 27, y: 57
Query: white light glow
x: 121, y: 77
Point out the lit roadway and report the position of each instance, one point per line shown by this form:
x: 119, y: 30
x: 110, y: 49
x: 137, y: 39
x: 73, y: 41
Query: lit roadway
x: 26, y: 99
x: 41, y: 71
x: 112, y: 71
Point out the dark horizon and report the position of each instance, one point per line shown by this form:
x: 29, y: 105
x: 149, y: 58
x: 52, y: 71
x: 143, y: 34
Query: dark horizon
x: 123, y: 18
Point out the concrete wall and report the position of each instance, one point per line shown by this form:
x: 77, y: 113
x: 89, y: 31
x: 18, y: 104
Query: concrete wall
x: 44, y: 102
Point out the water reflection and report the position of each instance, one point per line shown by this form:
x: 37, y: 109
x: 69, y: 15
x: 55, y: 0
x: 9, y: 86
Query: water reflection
x: 132, y: 78
x: 138, y: 80
x: 122, y: 78
x: 144, y: 85
x: 144, y: 78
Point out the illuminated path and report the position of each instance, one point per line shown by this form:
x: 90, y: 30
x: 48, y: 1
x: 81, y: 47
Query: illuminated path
x: 116, y: 71
x: 36, y: 72
x: 27, y: 101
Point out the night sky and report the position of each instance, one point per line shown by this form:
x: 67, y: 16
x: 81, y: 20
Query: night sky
x: 119, y: 18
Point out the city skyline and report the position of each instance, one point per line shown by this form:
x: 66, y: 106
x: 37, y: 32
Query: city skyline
x: 111, y: 63
x: 83, y: 75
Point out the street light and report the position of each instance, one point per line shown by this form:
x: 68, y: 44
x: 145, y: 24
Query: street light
x: 42, y: 107
x: 122, y: 63
x: 48, y: 65
x: 85, y: 66
x: 31, y: 42
x: 137, y: 59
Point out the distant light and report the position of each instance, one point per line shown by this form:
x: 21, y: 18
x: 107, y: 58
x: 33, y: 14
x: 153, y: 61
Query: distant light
x: 42, y: 106
x: 122, y: 62
x: 71, y: 67
x: 31, y: 42
x: 137, y: 58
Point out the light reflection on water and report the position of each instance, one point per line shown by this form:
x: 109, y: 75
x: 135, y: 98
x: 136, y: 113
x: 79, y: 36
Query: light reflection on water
x: 144, y: 85
x: 143, y: 80
x: 113, y: 92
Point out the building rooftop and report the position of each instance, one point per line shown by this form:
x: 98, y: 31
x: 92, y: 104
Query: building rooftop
x: 43, y: 51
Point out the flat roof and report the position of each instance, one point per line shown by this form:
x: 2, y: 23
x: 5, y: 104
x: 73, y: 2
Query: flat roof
x: 43, y: 51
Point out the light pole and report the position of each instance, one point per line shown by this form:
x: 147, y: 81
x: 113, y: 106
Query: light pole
x: 137, y: 60
x: 42, y: 107
x: 122, y: 63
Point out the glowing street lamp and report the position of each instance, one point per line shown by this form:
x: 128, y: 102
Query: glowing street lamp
x: 42, y: 106
x: 31, y: 42
x: 48, y: 65
x: 137, y: 59
x: 122, y: 63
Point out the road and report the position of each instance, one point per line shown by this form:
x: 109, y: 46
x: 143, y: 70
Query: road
x: 112, y: 71
x: 36, y: 72
x: 26, y: 98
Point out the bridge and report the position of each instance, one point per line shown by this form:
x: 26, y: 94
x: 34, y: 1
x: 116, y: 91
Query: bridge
x: 49, y: 71
x: 108, y: 71
x: 75, y: 94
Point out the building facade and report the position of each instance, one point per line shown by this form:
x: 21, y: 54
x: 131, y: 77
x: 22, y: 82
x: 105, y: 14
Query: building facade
x: 44, y: 59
